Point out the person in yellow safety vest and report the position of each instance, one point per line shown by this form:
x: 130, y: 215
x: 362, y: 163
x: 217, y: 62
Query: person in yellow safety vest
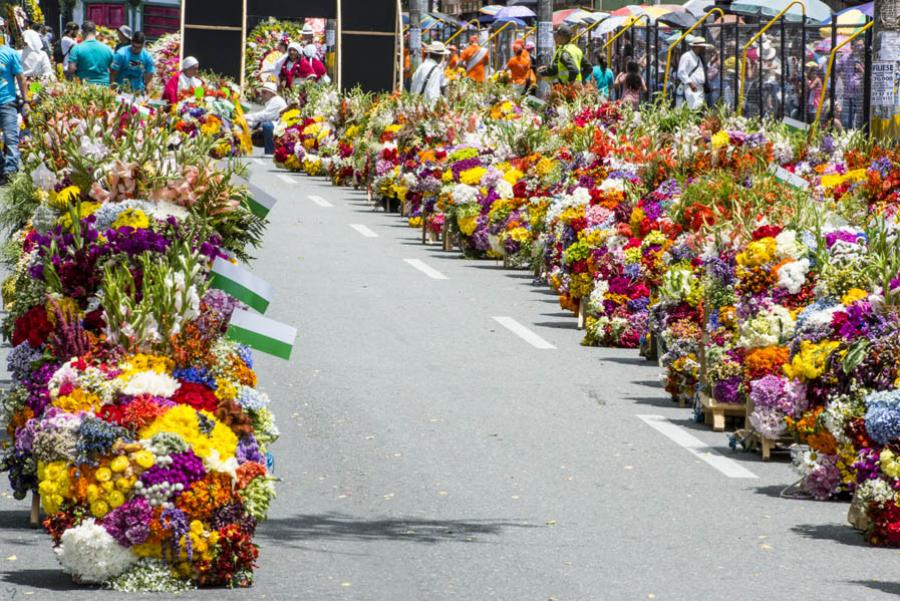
x: 566, y: 64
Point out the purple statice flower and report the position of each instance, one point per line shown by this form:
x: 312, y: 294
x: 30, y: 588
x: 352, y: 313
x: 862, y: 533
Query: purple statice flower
x: 176, y: 521
x: 720, y: 270
x: 586, y: 181
x: 728, y: 390
x: 866, y: 465
x: 233, y: 513
x: 827, y: 144
x: 129, y: 523
x: 248, y: 450
x: 487, y: 201
x: 652, y: 209
x: 246, y: 355
x: 681, y: 252
x: 97, y: 437
x: 481, y: 236
x: 492, y: 177
x: 184, y: 469
x: 756, y: 140
x: 632, y: 270
x: 464, y: 165
x: 882, y: 165
x: 776, y: 393
x: 638, y: 305
x: 36, y: 384
x: 510, y: 246
x: 824, y: 480
x: 220, y: 304
x: 21, y: 360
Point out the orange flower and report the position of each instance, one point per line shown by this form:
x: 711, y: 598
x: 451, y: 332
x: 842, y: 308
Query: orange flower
x: 765, y: 361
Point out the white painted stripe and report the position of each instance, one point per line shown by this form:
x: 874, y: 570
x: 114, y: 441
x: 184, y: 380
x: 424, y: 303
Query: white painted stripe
x: 431, y: 272
x: 524, y: 333
x: 696, y: 447
x: 319, y: 200
x: 286, y: 178
x: 364, y: 230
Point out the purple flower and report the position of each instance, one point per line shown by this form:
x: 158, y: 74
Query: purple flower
x: 185, y: 469
x: 129, y: 523
x: 728, y: 390
x: 248, y: 450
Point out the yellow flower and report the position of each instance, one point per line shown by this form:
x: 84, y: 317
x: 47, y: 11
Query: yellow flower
x: 135, y: 218
x: 853, y: 295
x: 225, y: 390
x: 186, y: 422
x: 758, y: 252
x: 141, y: 362
x: 720, y: 139
x: 291, y: 117
x: 447, y: 177
x: 119, y: 464
x: 810, y: 362
x: 78, y: 400
x: 144, y: 459
x: 65, y: 197
x: 467, y: 224
x: 99, y: 508
x: 513, y: 176
x: 472, y: 176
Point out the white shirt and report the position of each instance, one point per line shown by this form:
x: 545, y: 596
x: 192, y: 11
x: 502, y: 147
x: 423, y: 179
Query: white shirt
x: 430, y: 88
x: 38, y: 67
x: 270, y: 112
x: 691, y: 71
x: 66, y: 45
x: 188, y: 83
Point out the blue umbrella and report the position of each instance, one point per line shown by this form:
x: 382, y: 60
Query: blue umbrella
x: 505, y: 20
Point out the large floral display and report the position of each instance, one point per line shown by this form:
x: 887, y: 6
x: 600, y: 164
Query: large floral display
x: 132, y: 414
x: 761, y: 268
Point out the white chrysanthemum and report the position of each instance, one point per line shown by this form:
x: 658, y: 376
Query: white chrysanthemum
x: 788, y: 246
x: 598, y: 295
x: 612, y: 184
x: 792, y: 276
x: 767, y: 328
x: 165, y: 209
x: 152, y: 383
x: 89, y: 552
x: 875, y: 491
x: 463, y: 194
x: 504, y: 189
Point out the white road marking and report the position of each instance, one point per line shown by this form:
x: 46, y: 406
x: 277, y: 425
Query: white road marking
x: 524, y: 333
x: 286, y: 178
x: 431, y: 272
x: 364, y: 230
x: 696, y: 447
x: 319, y: 200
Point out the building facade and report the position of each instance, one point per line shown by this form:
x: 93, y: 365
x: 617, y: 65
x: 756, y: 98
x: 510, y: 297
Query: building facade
x: 153, y: 17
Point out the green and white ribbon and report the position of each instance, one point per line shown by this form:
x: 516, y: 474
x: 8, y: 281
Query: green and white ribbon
x: 259, y: 201
x: 790, y: 178
x: 795, y: 124
x: 241, y: 284
x: 262, y: 333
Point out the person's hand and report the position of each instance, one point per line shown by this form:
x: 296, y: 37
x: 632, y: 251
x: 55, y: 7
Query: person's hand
x: 693, y: 87
x: 26, y: 108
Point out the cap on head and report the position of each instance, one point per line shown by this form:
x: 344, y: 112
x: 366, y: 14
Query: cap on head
x: 189, y: 62
x: 564, y: 30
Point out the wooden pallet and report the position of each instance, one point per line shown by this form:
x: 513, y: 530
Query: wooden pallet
x: 714, y: 413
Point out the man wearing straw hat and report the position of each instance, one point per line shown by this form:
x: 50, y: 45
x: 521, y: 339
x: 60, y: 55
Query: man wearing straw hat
x: 692, y: 75
x: 429, y: 80
x: 264, y: 120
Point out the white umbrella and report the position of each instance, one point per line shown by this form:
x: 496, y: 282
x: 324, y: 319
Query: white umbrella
x: 594, y: 17
x: 610, y: 25
x: 816, y: 10
x: 698, y: 8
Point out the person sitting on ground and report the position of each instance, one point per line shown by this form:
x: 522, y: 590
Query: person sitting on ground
x: 631, y: 84
x: 602, y: 76
x: 264, y: 120
x: 311, y: 68
x: 566, y: 64
x: 474, y: 60
x: 183, y: 81
x: 133, y: 67
x: 429, y: 79
x: 90, y: 60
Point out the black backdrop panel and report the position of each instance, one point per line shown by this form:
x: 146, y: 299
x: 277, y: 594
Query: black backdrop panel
x: 218, y: 51
x: 369, y: 15
x: 226, y: 12
x: 375, y: 73
x: 322, y: 9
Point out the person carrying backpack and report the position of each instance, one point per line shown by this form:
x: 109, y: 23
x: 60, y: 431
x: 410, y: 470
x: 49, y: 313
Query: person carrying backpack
x: 568, y: 64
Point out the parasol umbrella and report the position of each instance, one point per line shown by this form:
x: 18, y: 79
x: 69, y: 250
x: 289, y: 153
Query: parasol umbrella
x: 491, y: 9
x: 514, y: 20
x: 816, y: 10
x: 514, y: 12
x: 848, y: 21
x: 698, y: 8
x: 594, y: 17
x: 610, y: 25
x: 450, y: 20
x: 522, y: 3
x: 564, y: 16
x: 682, y: 20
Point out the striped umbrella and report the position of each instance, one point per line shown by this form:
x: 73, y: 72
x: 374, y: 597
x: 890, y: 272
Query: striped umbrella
x: 491, y: 9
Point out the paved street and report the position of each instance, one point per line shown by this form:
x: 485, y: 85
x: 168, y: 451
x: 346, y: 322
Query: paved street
x: 445, y: 436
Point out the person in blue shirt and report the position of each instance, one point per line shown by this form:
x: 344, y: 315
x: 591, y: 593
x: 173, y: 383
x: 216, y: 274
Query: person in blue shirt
x: 133, y: 66
x: 90, y: 60
x: 10, y: 75
x: 602, y: 77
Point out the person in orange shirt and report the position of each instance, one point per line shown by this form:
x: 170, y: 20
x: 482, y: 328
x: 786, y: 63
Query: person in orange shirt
x: 519, y: 67
x: 453, y: 61
x: 474, y: 59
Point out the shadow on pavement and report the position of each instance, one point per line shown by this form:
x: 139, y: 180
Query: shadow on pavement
x: 891, y: 588
x: 50, y: 580
x: 838, y: 533
x: 336, y: 526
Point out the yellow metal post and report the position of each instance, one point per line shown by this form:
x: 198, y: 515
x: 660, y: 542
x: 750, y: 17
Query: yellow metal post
x: 608, y: 45
x: 679, y: 40
x: 496, y: 33
x: 588, y: 28
x: 831, y: 56
x: 462, y: 29
x: 746, y: 48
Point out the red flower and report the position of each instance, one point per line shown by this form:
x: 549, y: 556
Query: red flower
x: 33, y: 326
x: 766, y: 231
x: 197, y: 396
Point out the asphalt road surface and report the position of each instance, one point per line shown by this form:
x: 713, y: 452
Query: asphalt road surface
x: 445, y: 436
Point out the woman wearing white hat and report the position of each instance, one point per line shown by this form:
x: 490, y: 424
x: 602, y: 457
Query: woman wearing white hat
x: 289, y: 69
x: 264, y: 120
x: 183, y: 81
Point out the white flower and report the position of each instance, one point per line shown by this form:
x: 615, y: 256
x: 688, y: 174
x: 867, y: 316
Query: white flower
x: 598, y: 294
x: 43, y: 178
x: 504, y: 189
x: 92, y: 149
x: 792, y: 276
x: 875, y: 491
x: 463, y: 194
x: 165, y: 209
x: 91, y: 553
x: 152, y: 383
x: 214, y: 462
x: 787, y: 245
x: 611, y: 185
